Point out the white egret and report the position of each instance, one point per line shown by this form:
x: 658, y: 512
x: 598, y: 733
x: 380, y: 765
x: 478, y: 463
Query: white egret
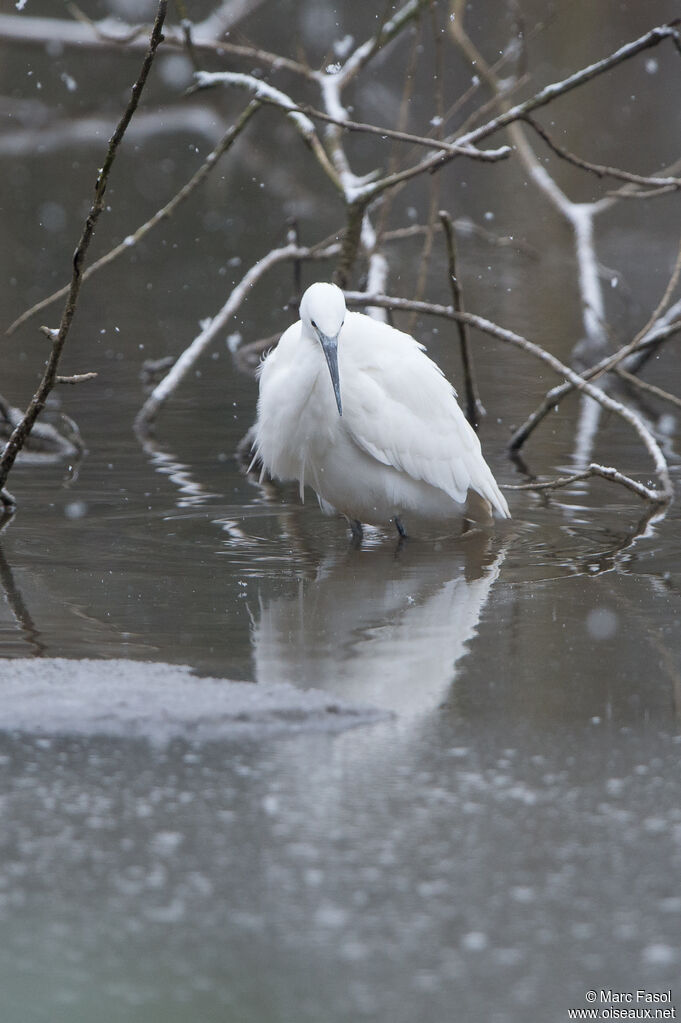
x: 357, y: 410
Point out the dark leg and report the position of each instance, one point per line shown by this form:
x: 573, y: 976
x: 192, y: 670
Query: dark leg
x: 400, y: 529
x: 357, y: 531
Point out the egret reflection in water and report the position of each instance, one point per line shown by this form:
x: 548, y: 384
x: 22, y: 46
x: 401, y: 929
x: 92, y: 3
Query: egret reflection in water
x: 387, y: 631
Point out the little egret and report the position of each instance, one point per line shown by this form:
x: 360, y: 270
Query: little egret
x: 356, y: 409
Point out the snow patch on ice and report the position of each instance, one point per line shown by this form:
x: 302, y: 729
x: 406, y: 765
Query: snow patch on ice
x: 160, y: 702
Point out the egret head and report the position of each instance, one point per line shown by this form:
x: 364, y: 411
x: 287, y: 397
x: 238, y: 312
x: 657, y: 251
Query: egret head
x: 322, y: 312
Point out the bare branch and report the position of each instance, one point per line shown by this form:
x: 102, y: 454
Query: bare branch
x: 125, y: 34
x: 451, y: 148
x: 23, y: 429
x: 162, y: 214
x: 474, y: 407
x: 580, y: 216
x: 638, y: 193
x: 64, y: 133
x: 465, y: 227
x: 434, y: 182
x: 247, y: 357
x: 7, y: 500
x: 643, y: 385
x: 546, y: 95
x: 664, y: 301
x: 406, y: 102
x: 45, y: 440
x: 606, y: 472
x: 661, y: 184
x: 76, y: 378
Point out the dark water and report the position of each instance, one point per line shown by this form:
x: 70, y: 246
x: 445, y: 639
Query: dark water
x: 511, y: 838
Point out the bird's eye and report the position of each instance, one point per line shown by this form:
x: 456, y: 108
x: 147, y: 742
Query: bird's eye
x: 313, y: 324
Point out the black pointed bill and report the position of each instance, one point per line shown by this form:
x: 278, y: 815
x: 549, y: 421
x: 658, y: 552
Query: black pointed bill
x: 330, y: 349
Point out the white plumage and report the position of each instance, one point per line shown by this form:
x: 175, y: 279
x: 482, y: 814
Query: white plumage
x: 355, y: 409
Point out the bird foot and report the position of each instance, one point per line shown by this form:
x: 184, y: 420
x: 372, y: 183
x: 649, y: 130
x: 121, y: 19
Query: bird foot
x: 400, y: 529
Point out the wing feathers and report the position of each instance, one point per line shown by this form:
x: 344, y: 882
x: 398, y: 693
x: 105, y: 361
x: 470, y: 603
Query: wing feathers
x: 400, y: 409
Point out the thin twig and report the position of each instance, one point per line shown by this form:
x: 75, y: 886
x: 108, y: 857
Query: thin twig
x: 643, y: 385
x: 247, y: 357
x: 44, y: 439
x: 126, y: 34
x: 427, y: 247
x: 23, y: 429
x: 358, y: 60
x: 162, y: 214
x: 604, y: 471
x: 393, y: 164
x: 659, y: 183
x: 191, y: 49
x: 452, y: 148
x: 75, y: 378
x: 474, y: 407
x: 293, y: 238
x: 465, y: 227
x: 639, y: 193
